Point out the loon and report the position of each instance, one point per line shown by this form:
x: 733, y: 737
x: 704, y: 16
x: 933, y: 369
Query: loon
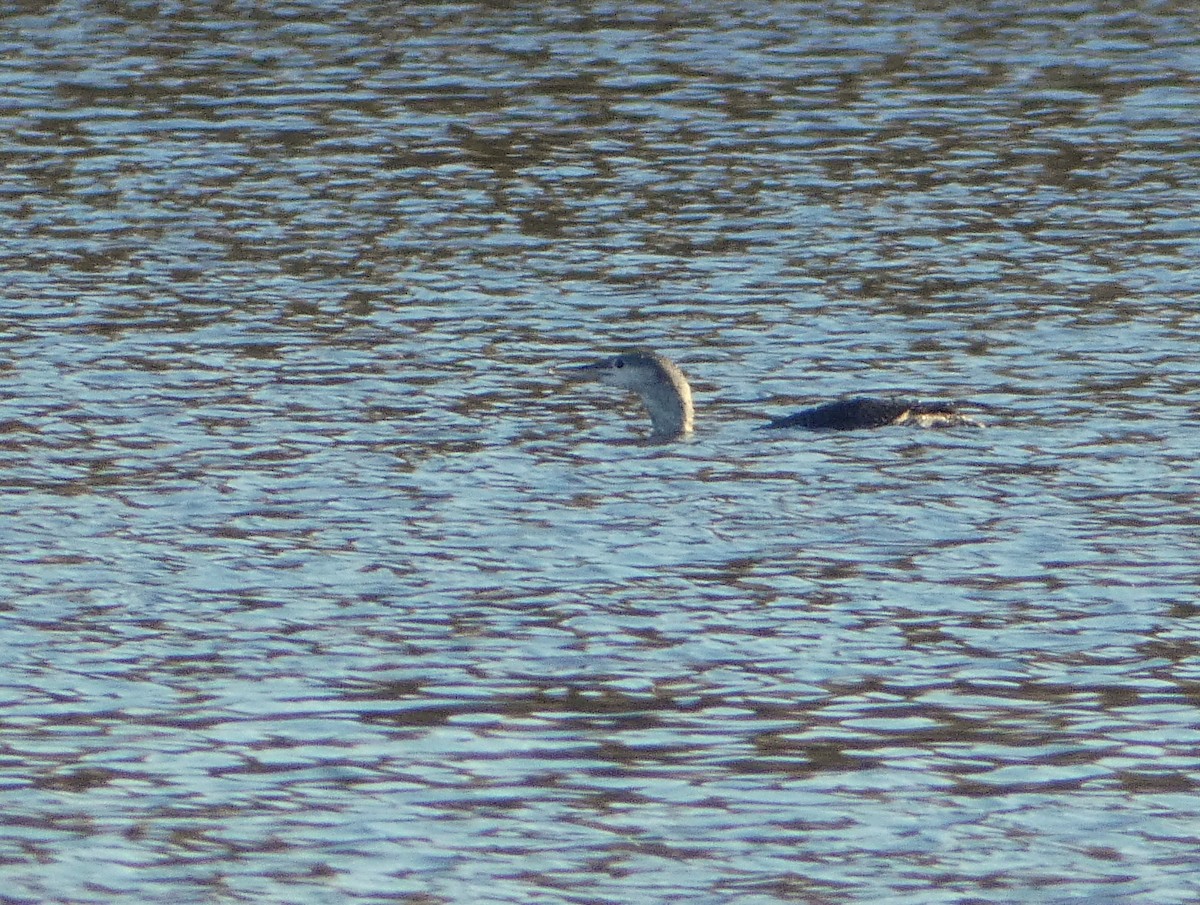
x: 668, y: 398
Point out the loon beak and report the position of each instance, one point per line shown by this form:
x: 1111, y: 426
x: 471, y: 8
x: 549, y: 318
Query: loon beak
x: 579, y: 372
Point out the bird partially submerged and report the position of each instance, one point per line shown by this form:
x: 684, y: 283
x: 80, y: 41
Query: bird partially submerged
x: 668, y: 398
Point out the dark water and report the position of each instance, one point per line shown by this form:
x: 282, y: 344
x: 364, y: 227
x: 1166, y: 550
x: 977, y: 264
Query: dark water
x: 321, y: 586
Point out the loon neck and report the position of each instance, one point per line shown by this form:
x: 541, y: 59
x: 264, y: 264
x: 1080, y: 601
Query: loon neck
x: 669, y: 402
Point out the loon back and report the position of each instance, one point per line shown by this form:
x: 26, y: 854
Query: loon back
x: 863, y: 412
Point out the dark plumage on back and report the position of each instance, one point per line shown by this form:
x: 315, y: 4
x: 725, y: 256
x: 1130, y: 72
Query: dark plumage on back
x: 861, y: 412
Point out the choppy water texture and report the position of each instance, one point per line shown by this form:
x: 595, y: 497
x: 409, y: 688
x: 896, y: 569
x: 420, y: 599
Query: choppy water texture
x: 320, y: 585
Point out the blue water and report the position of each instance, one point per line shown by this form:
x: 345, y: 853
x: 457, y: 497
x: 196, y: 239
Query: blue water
x: 319, y: 583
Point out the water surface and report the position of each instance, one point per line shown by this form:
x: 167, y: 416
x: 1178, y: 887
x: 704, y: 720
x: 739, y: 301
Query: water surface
x: 321, y: 585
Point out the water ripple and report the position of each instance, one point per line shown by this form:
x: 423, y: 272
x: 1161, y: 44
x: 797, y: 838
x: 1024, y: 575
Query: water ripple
x: 321, y: 584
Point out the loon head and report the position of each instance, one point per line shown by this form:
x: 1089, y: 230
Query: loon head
x: 660, y: 384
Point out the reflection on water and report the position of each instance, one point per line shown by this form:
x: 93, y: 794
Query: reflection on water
x: 320, y: 584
